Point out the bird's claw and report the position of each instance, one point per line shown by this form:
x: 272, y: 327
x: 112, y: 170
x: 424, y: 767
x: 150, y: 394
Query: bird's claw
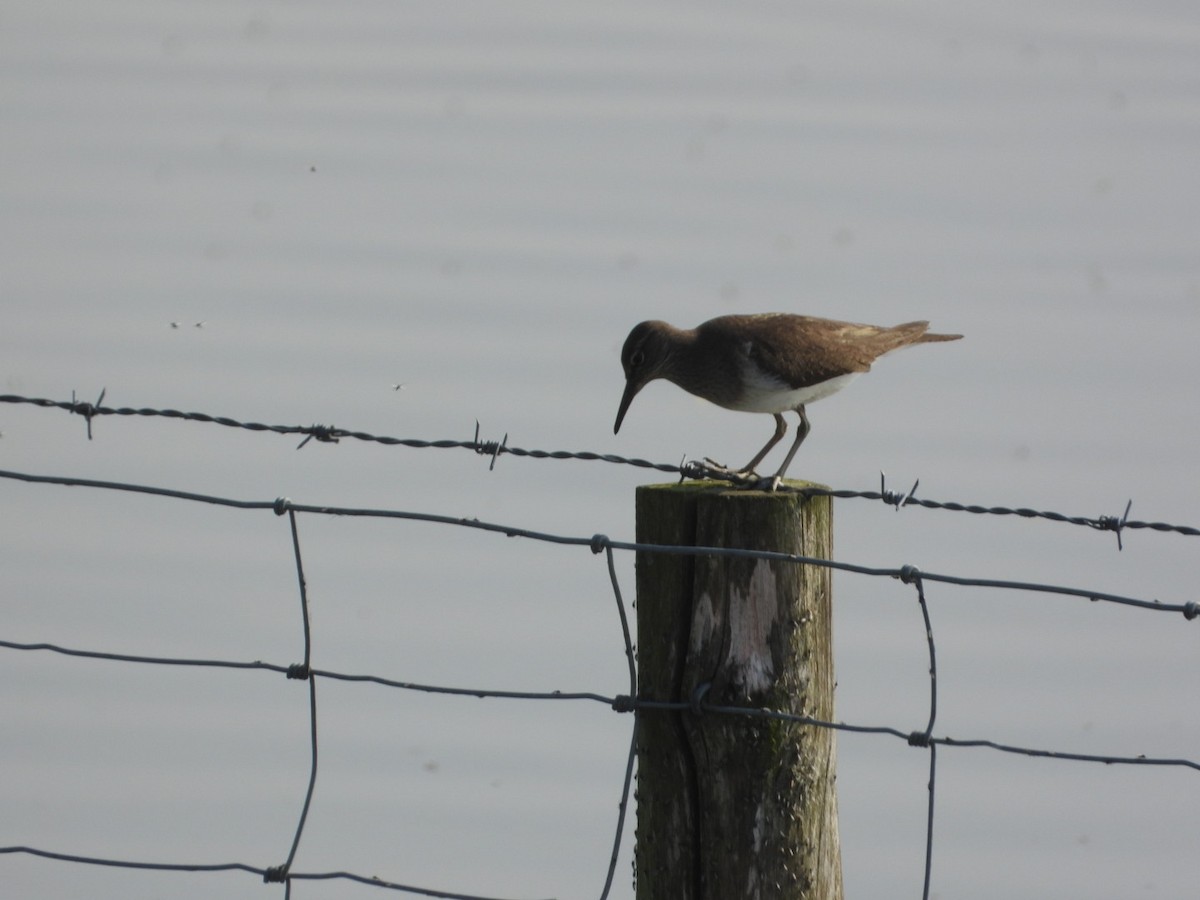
x: 744, y: 478
x: 738, y: 476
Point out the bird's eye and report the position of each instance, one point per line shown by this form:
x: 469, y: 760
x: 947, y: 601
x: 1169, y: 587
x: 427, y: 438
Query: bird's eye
x: 638, y: 357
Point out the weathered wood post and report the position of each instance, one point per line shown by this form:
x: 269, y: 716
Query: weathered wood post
x: 731, y: 806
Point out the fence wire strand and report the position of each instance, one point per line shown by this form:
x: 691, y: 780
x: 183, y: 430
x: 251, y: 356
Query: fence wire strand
x: 1189, y: 609
x: 693, y: 469
x: 597, y: 543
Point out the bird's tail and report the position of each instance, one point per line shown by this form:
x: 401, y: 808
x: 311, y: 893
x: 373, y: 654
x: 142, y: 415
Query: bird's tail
x: 915, y: 333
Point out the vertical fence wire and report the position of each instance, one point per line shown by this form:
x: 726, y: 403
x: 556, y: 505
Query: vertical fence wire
x: 303, y: 671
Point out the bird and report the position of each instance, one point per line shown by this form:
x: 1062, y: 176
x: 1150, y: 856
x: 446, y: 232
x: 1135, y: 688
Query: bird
x: 764, y: 363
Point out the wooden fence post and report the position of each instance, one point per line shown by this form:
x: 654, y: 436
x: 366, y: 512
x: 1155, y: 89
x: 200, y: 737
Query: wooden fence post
x: 730, y: 806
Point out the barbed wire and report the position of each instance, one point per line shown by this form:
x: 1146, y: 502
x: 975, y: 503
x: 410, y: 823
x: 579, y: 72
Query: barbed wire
x: 686, y: 469
x: 597, y: 543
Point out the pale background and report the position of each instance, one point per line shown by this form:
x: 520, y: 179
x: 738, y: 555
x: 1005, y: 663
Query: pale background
x: 478, y: 200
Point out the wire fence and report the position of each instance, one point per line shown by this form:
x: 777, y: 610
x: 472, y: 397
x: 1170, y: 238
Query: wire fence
x: 626, y: 703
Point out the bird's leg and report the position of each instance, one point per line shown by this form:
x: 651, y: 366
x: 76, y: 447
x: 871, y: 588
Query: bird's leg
x: 745, y: 475
x: 780, y: 430
x: 801, y: 433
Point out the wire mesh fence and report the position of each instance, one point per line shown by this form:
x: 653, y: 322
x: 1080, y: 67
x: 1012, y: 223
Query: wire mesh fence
x: 628, y: 703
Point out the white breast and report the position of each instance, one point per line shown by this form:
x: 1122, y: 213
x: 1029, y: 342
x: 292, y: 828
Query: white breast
x: 770, y: 395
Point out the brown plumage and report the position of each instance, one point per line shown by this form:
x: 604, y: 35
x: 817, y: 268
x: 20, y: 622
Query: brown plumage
x: 767, y: 363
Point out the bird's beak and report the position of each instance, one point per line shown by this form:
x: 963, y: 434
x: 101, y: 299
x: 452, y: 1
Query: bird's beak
x: 632, y: 386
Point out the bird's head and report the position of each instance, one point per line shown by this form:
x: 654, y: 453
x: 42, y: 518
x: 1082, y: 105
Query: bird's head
x: 647, y: 355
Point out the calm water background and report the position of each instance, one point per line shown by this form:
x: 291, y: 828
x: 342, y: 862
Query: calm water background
x: 478, y: 201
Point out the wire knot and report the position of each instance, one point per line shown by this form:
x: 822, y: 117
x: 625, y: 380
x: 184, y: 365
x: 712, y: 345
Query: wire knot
x: 1191, y: 609
x: 299, y: 672
x: 624, y: 703
x: 909, y: 574
x: 600, y: 542
x: 282, y: 505
x: 275, y: 875
x: 918, y: 739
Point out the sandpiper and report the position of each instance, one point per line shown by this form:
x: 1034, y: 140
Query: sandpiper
x: 767, y: 363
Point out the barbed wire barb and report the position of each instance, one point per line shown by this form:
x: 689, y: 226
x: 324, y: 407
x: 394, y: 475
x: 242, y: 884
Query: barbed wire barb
x: 891, y: 498
x: 1112, y: 523
x: 87, y: 410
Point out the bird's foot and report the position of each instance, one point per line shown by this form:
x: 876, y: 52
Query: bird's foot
x: 744, y: 478
x: 752, y: 481
x: 740, y: 477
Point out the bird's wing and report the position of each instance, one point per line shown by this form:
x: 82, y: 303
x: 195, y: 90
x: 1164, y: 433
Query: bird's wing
x: 805, y: 350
